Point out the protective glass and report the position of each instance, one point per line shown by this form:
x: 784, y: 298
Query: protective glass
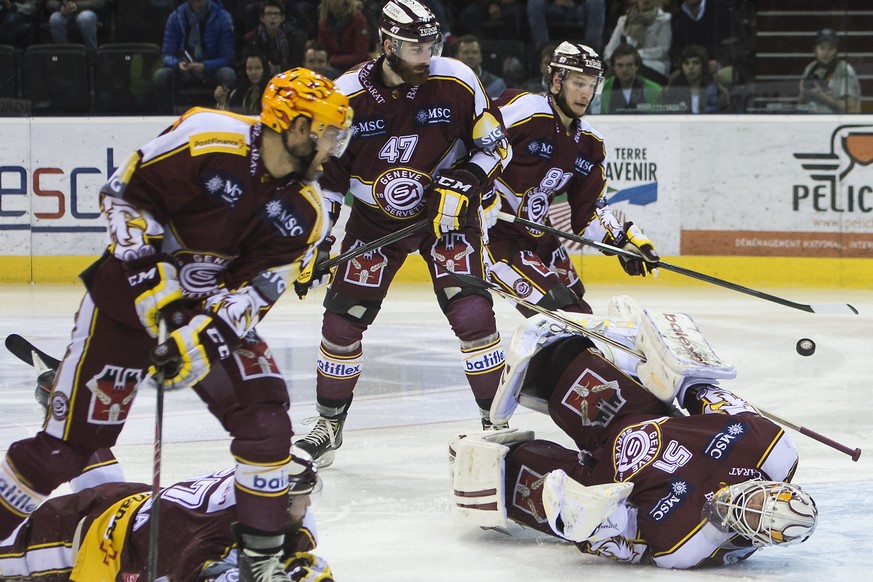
x: 417, y: 53
x: 333, y: 140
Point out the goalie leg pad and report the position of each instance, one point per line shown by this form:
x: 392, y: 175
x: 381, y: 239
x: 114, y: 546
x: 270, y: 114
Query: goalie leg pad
x: 676, y: 351
x: 576, y: 512
x: 478, y: 475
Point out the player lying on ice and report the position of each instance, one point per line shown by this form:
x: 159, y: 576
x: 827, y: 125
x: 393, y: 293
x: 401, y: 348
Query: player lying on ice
x: 649, y: 484
x: 67, y: 537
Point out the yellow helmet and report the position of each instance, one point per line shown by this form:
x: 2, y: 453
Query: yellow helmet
x: 303, y: 92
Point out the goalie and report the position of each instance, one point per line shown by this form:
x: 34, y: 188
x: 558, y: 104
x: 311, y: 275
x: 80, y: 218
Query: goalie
x: 649, y: 483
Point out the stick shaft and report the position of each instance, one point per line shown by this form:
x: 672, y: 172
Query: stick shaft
x: 854, y: 453
x: 155, y: 512
x: 666, y: 266
x: 378, y: 243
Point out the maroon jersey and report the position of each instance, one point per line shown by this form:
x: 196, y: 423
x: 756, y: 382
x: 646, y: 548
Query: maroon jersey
x: 195, y: 533
x: 402, y: 136
x: 548, y: 160
x: 229, y: 226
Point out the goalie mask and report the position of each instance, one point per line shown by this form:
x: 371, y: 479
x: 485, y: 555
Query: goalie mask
x: 413, y: 30
x: 768, y: 513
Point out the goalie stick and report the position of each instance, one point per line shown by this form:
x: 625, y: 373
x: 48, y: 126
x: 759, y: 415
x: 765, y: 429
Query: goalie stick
x: 855, y: 454
x: 22, y: 349
x: 832, y: 308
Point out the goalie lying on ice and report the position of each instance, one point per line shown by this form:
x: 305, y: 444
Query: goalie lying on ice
x: 649, y: 483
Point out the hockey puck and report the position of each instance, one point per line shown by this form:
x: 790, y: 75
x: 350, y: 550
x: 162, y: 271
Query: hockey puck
x: 805, y: 346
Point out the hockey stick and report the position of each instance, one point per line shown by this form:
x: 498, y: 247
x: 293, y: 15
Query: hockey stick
x: 379, y: 242
x: 154, y: 511
x: 854, y: 453
x: 25, y: 351
x: 833, y: 308
x: 478, y: 283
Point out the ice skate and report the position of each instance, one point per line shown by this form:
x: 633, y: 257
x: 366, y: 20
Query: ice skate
x: 324, y: 439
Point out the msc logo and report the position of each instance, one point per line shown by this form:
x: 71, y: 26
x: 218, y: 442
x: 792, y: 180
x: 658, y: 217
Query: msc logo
x: 286, y: 222
x: 369, y: 127
x: 541, y: 148
x: 223, y: 187
x: 431, y: 115
x: 583, y: 166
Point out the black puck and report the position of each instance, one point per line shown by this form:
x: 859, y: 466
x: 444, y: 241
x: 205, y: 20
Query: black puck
x: 805, y: 346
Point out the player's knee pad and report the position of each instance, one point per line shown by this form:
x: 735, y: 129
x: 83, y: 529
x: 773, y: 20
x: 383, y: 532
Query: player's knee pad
x: 261, y: 434
x: 471, y: 316
x: 359, y: 311
x: 446, y: 297
x: 477, y: 471
x: 30, y: 460
x: 677, y: 355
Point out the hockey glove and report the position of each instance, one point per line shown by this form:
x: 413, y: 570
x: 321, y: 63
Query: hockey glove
x: 631, y: 238
x: 187, y: 355
x: 449, y: 197
x: 312, y: 276
x: 490, y: 209
x: 306, y: 567
x: 156, y: 282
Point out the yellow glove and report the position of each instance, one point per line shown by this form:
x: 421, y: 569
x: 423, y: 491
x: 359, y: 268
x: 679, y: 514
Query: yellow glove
x: 448, y: 199
x: 632, y: 238
x: 311, y: 276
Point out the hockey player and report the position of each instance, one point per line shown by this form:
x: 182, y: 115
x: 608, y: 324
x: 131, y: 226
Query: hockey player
x: 646, y: 486
x: 206, y: 224
x: 426, y: 141
x: 68, y: 537
x: 556, y: 151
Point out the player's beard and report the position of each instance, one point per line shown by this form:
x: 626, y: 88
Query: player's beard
x: 303, y: 154
x: 566, y: 108
x: 411, y: 74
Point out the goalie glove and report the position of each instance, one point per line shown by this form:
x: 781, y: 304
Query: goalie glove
x: 307, y: 567
x: 187, y: 355
x: 448, y: 199
x: 311, y: 276
x: 156, y: 282
x: 631, y: 238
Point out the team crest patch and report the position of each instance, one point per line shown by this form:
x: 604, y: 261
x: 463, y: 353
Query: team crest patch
x: 60, y: 406
x: 452, y: 252
x: 595, y: 399
x: 254, y: 360
x: 399, y: 192
x: 366, y: 270
x: 635, y: 447
x: 522, y: 288
x: 527, y: 494
x: 113, y: 390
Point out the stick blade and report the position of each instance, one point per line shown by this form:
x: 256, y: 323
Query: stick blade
x: 25, y: 351
x: 833, y: 308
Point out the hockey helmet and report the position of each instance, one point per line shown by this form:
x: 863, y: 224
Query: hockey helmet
x: 768, y: 513
x: 571, y: 56
x: 303, y: 92
x: 409, y: 21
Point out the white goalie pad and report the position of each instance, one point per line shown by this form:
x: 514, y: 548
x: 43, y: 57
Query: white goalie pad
x: 539, y: 331
x: 675, y: 349
x: 583, y: 510
x: 477, y: 474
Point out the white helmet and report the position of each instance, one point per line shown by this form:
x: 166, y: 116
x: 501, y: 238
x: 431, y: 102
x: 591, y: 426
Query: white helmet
x: 768, y: 513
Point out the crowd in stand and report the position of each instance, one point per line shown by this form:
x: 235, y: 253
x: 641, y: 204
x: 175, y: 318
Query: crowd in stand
x: 668, y: 56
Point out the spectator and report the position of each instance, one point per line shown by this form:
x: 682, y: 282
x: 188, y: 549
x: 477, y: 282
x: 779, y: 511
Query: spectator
x: 647, y: 28
x: 343, y: 30
x: 829, y: 84
x: 16, y: 22
x: 198, y: 51
x: 246, y: 100
x: 706, y: 23
x: 540, y: 84
x: 316, y: 59
x: 625, y: 91
x: 276, y: 37
x: 493, y: 19
x: 542, y: 13
x: 693, y: 89
x: 469, y: 51
x: 442, y: 13
x: 81, y: 12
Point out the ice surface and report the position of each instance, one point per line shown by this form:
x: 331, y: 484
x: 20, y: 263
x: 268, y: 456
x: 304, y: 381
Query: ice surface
x: 384, y: 511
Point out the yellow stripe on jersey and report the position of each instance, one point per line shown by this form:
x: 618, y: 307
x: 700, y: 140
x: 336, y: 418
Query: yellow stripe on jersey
x: 211, y: 142
x: 99, y: 556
